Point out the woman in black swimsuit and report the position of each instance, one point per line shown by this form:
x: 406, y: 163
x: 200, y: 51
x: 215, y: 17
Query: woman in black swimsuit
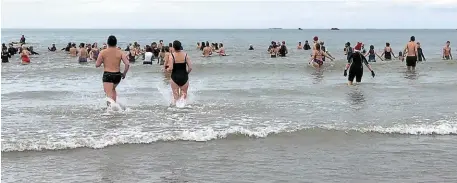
x: 388, y: 53
x: 180, y: 66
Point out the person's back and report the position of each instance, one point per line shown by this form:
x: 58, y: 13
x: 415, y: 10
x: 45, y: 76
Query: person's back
x: 411, y: 48
x: 5, y: 55
x: 111, y: 59
x: 411, y: 55
x: 207, y: 51
x: 73, y: 51
x: 357, y: 60
x: 148, y: 56
x: 180, y: 67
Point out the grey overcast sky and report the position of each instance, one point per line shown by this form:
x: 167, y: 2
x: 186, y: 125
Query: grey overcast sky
x: 150, y: 14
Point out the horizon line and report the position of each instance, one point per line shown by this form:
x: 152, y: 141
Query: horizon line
x: 273, y: 28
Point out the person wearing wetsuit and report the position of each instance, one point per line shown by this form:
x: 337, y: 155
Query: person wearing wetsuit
x: 67, y: 48
x: 180, y: 68
x: 306, y: 46
x: 31, y: 51
x: 5, y: 55
x: 128, y: 47
x: 348, y: 50
x: 420, y: 53
x: 53, y: 48
x: 251, y: 47
x: 12, y: 50
x: 355, y: 65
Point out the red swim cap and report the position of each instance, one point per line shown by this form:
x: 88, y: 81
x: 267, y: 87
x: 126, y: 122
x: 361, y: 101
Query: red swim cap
x: 358, y: 46
x: 315, y: 38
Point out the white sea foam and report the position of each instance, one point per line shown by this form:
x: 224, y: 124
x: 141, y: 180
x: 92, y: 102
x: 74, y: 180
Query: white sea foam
x: 138, y: 136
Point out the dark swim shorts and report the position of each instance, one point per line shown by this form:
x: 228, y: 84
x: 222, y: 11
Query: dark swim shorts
x: 112, y: 77
x: 411, y: 61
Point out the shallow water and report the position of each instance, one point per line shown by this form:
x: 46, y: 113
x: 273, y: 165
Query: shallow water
x: 250, y: 118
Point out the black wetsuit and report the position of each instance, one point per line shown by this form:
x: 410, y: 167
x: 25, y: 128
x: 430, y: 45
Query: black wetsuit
x: 32, y: 52
x: 52, y: 48
x: 420, y: 54
x: 67, y: 49
x: 306, y: 46
x: 5, y: 56
x: 251, y: 48
x: 349, y: 52
x: 179, y: 74
x: 12, y: 50
x: 356, y: 69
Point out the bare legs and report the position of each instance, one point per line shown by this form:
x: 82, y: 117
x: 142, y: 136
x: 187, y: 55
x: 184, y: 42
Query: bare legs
x: 176, y: 91
x: 110, y: 91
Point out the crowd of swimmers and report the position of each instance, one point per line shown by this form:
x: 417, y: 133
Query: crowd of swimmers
x: 208, y: 50
x: 177, y: 64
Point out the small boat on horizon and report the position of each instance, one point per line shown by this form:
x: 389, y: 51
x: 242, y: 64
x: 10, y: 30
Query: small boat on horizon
x: 334, y: 29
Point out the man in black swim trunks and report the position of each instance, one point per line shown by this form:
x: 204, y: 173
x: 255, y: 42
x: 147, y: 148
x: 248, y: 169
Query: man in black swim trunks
x: 111, y: 58
x: 355, y: 65
x: 411, y: 54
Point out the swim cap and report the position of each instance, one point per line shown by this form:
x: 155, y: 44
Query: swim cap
x: 358, y: 47
x: 315, y: 38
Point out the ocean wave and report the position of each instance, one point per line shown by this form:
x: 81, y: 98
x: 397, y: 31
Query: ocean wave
x: 136, y: 136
